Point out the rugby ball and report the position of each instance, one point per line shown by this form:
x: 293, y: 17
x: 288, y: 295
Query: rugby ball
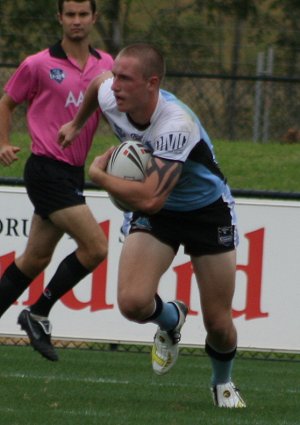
x: 128, y: 161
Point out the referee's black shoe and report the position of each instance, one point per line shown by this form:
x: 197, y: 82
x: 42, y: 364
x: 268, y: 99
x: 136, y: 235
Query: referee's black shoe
x: 39, y: 334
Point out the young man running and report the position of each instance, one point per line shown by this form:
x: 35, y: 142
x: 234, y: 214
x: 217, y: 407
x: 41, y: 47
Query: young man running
x: 53, y: 83
x: 184, y: 200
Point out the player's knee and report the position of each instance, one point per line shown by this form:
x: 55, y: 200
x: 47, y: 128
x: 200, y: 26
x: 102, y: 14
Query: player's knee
x: 33, y: 265
x: 127, y: 308
x: 97, y: 254
x: 218, y: 327
x: 101, y: 254
x: 131, y: 307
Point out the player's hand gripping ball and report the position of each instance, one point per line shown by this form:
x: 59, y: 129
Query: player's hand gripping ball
x: 128, y: 161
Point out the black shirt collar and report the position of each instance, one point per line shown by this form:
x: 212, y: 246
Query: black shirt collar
x: 140, y: 127
x: 58, y: 52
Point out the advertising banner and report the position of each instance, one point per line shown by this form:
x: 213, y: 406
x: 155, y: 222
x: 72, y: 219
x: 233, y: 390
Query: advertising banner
x: 266, y: 303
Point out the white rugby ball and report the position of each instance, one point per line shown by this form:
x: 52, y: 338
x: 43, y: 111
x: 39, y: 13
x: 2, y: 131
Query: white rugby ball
x: 128, y: 161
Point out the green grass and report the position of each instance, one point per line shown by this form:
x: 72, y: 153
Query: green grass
x: 119, y: 388
x: 250, y: 165
x: 260, y: 166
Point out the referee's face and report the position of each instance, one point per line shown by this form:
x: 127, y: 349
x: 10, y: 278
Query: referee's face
x: 77, y: 20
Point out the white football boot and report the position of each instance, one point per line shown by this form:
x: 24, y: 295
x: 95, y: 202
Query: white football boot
x: 227, y: 395
x: 165, y: 348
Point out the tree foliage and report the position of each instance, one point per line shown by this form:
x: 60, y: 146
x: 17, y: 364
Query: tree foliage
x: 25, y: 25
x: 112, y: 22
x: 211, y: 36
x: 288, y: 34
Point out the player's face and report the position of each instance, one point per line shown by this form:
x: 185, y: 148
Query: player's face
x: 130, y: 87
x: 77, y: 20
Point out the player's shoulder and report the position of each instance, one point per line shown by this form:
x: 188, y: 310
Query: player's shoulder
x: 105, y: 56
x: 34, y: 62
x: 104, y: 81
x: 172, y: 112
x: 38, y: 57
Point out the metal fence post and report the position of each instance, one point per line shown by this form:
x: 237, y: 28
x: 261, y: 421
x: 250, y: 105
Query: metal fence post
x: 268, y: 96
x: 258, y: 97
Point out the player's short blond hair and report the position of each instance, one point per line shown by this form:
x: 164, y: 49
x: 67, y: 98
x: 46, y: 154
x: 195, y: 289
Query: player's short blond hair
x: 151, y: 59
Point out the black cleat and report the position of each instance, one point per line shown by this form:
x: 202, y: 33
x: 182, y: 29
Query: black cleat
x: 39, y: 334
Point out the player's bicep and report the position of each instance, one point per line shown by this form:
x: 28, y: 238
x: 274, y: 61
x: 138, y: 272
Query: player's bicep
x: 164, y: 174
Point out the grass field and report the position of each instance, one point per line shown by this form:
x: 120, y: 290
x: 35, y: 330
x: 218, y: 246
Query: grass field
x: 118, y: 388
x: 89, y: 387
x: 254, y: 166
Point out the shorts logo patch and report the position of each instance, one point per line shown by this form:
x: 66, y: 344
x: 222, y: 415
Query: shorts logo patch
x: 78, y: 192
x: 225, y: 235
x: 142, y: 223
x: 57, y: 74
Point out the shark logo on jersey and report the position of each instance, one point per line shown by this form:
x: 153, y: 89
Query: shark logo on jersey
x: 171, y: 141
x: 57, y: 74
x: 136, y: 137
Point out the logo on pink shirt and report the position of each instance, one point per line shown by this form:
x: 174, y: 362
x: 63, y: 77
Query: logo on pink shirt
x: 57, y: 75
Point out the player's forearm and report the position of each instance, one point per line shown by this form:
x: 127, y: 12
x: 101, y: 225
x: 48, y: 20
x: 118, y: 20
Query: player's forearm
x: 90, y: 101
x: 5, y: 123
x: 87, y: 108
x: 132, y: 193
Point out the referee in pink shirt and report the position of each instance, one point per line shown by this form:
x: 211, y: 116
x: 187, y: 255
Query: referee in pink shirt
x: 52, y: 83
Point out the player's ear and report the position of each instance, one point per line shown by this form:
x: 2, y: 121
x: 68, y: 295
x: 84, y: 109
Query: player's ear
x: 58, y: 15
x: 153, y: 82
x: 95, y: 17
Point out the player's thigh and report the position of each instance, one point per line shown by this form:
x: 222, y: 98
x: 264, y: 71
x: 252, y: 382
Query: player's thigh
x: 143, y: 261
x: 79, y: 222
x: 215, y: 276
x: 42, y: 240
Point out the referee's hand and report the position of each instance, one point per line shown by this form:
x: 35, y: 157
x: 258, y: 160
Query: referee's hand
x: 67, y: 134
x: 8, y: 154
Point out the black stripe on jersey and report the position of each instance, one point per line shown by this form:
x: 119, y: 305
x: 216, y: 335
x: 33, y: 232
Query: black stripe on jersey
x: 203, y: 155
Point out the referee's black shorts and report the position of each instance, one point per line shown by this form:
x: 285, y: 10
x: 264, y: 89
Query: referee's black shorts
x: 205, y: 231
x: 53, y: 185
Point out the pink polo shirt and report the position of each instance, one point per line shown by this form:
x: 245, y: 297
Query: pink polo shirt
x: 53, y: 86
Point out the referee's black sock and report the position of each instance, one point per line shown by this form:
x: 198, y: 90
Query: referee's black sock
x: 12, y: 284
x: 68, y: 274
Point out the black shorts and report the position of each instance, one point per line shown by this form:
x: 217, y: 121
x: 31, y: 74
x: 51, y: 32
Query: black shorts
x: 53, y: 185
x: 208, y: 230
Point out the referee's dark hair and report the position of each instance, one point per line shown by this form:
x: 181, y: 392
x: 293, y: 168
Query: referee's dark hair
x: 60, y: 4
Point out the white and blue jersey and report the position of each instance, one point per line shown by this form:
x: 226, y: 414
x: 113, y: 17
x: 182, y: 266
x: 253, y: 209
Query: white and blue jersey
x: 176, y: 134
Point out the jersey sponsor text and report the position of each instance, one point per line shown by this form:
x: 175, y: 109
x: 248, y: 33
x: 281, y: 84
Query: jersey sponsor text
x: 71, y: 99
x: 171, y: 141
